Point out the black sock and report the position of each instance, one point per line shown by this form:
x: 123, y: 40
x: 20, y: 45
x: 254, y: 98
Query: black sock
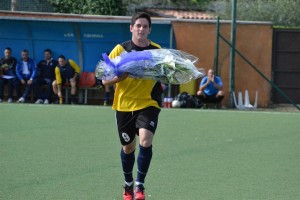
x: 143, y: 161
x: 127, y: 165
x: 219, y: 99
x: 106, y: 97
x: 73, y: 98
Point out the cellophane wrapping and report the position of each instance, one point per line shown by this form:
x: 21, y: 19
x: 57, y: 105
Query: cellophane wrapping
x: 168, y: 66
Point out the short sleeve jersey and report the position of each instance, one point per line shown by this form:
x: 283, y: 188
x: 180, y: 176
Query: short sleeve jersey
x: 210, y: 89
x: 69, y: 73
x: 135, y: 94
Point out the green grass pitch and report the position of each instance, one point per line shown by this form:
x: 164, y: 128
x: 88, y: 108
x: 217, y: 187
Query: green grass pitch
x: 72, y: 152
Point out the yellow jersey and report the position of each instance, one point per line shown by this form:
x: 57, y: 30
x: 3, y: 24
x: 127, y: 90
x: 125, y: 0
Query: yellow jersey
x: 67, y: 71
x: 135, y: 94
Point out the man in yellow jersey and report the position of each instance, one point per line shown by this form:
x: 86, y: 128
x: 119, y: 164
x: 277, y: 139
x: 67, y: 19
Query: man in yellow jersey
x: 137, y: 108
x: 65, y: 71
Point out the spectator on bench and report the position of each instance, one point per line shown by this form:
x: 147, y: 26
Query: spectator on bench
x: 26, y: 72
x: 7, y: 74
x: 106, y: 95
x: 45, y: 77
x: 210, y: 89
x: 67, y: 71
x: 106, y: 88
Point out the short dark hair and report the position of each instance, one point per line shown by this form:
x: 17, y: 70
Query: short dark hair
x: 61, y: 56
x: 8, y: 48
x: 141, y: 15
x: 48, y: 50
x: 25, y: 50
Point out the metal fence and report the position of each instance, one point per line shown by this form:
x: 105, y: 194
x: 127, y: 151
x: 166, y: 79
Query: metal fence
x: 26, y: 5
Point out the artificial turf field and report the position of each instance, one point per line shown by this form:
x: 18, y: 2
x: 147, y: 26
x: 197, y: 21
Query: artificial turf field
x: 72, y: 152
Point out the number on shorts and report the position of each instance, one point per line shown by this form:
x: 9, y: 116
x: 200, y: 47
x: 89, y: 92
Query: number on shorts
x: 126, y: 137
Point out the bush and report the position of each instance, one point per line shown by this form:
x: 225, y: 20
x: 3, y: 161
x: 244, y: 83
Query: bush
x: 97, y: 7
x: 281, y: 13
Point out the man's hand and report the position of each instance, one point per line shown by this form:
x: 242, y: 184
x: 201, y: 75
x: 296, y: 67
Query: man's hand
x: 29, y: 82
x: 23, y: 82
x: 116, y: 79
x: 208, y: 80
x: 4, y: 66
x: 122, y: 77
x: 211, y: 79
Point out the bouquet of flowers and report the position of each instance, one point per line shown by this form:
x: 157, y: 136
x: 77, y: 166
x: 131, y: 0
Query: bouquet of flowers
x: 164, y: 65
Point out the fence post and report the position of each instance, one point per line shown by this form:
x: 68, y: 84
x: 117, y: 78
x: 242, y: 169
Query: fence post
x: 13, y: 5
x: 217, y: 47
x: 232, y: 51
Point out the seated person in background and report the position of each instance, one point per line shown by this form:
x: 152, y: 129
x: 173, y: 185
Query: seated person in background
x: 26, y: 72
x: 106, y: 88
x: 45, y: 77
x: 7, y: 74
x: 67, y: 71
x: 210, y: 89
x: 107, y: 95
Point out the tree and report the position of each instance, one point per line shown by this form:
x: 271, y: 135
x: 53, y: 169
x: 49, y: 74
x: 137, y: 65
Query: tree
x: 174, y: 4
x: 133, y: 5
x: 120, y: 7
x: 281, y: 13
x: 99, y: 7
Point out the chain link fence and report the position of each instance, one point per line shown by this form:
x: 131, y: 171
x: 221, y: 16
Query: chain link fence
x: 26, y: 5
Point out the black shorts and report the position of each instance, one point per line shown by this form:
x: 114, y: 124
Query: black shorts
x: 65, y: 81
x: 129, y: 123
x: 211, y: 99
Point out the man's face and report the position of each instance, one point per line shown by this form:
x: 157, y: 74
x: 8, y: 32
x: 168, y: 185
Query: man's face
x: 210, y: 73
x: 47, y: 55
x: 62, y: 62
x: 7, y: 53
x: 24, y: 56
x: 140, y: 30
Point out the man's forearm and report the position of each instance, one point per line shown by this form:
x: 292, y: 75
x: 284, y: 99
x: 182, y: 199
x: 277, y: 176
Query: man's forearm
x: 203, y: 86
x: 219, y: 87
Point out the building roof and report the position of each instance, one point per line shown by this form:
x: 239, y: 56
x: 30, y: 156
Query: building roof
x: 180, y: 14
